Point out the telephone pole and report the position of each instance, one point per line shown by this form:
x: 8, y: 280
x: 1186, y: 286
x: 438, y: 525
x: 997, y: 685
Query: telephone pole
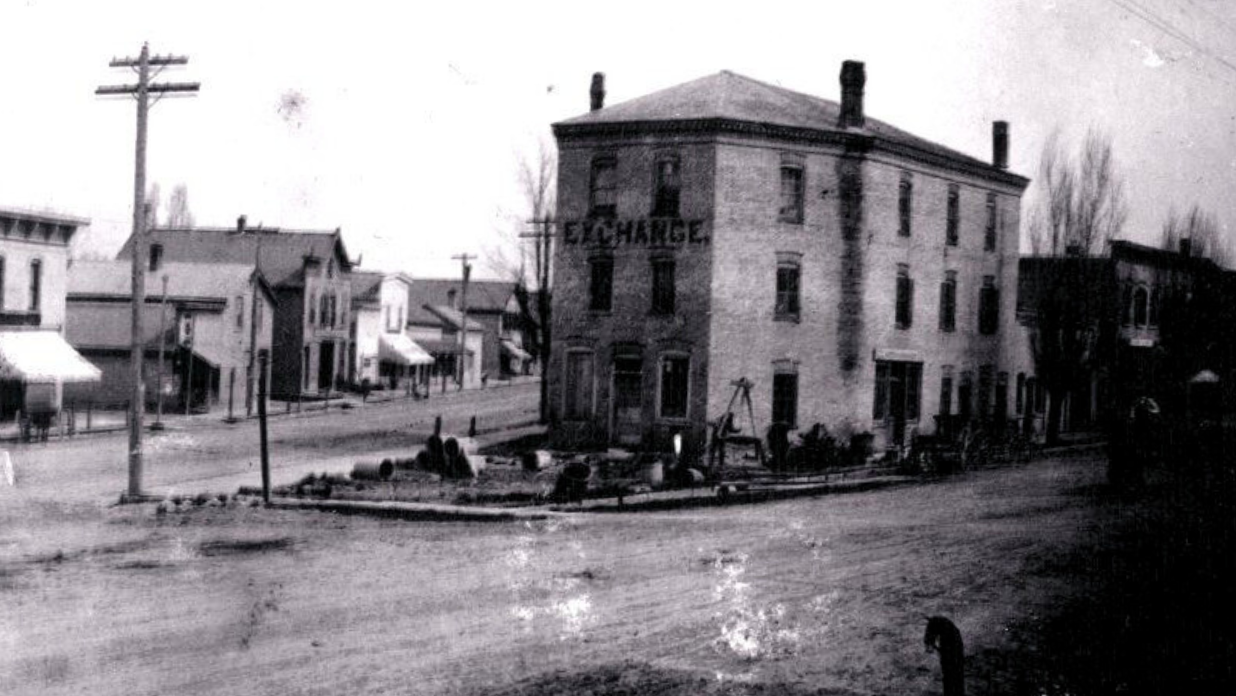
x: 463, y: 304
x: 542, y: 238
x: 141, y: 92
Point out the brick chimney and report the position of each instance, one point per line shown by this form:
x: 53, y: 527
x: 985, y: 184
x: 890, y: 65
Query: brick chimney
x: 598, y: 91
x: 1000, y: 144
x: 240, y: 224
x: 452, y: 299
x: 853, y: 78
x: 1186, y: 247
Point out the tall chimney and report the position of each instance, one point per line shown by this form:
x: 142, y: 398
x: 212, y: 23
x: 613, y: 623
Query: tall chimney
x: 1000, y: 144
x: 598, y: 91
x: 853, y: 78
x: 1186, y: 247
x: 240, y: 224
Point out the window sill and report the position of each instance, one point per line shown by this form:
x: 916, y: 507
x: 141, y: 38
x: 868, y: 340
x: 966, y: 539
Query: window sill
x: 673, y: 420
x: 903, y: 327
x: 789, y: 221
x: 788, y: 318
x: 661, y: 315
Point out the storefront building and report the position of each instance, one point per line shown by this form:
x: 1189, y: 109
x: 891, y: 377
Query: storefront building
x: 728, y: 229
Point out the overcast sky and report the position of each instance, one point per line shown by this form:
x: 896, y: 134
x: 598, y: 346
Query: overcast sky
x: 403, y: 125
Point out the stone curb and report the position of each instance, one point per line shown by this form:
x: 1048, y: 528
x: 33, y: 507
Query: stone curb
x: 426, y: 512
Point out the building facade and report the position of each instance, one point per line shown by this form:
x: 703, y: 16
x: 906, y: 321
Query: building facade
x: 212, y: 322
x: 308, y: 272
x: 727, y: 229
x: 492, y: 305
x: 35, y: 361
x: 384, y: 356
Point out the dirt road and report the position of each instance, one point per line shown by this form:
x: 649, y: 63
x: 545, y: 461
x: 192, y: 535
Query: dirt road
x: 210, y: 455
x: 827, y: 593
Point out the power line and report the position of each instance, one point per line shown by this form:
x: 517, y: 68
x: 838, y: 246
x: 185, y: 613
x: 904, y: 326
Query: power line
x: 1172, y: 31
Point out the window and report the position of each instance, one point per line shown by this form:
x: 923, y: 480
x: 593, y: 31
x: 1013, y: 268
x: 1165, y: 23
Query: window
x: 603, y: 188
x: 304, y: 368
x: 36, y: 284
x: 954, y: 215
x: 965, y: 396
x: 948, y: 302
x: 785, y: 398
x: 788, y: 299
x: 1152, y: 320
x: 989, y: 306
x: 1126, y: 304
x: 601, y: 285
x: 946, y: 390
x: 791, y: 194
x: 1021, y: 392
x: 313, y: 305
x: 1141, y: 305
x: 578, y: 385
x: 905, y: 297
x: 257, y: 313
x: 666, y: 187
x: 984, y: 391
x: 1002, y: 396
x: 323, y: 308
x: 674, y: 384
x: 905, y: 204
x: 989, y: 233
x: 156, y: 256
x: 897, y: 388
x: 240, y: 311
x: 663, y: 286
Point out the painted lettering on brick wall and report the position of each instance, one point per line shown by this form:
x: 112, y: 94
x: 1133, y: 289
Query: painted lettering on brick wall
x: 649, y: 232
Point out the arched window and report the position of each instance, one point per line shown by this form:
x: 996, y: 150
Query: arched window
x: 1141, y: 305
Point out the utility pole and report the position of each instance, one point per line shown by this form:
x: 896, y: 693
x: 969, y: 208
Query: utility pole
x: 253, y: 324
x: 141, y: 92
x: 542, y: 248
x: 463, y: 328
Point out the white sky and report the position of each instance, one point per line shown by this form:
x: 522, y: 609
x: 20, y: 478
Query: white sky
x: 414, y: 119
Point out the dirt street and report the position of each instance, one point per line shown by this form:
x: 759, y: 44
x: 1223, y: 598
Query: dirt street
x: 822, y: 595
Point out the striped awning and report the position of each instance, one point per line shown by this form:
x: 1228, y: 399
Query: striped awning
x: 515, y: 351
x: 398, y: 348
x: 42, y: 356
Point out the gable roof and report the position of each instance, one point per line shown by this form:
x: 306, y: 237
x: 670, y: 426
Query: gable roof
x: 280, y: 253
x: 483, y: 295
x: 366, y: 286
x: 185, y: 281
x: 729, y: 98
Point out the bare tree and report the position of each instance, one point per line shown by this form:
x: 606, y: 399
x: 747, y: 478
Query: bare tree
x: 1079, y: 207
x: 1200, y: 227
x: 153, y: 201
x: 528, y: 235
x: 178, y: 213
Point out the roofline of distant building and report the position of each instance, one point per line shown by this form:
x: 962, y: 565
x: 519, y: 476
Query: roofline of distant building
x: 858, y: 141
x: 45, y: 216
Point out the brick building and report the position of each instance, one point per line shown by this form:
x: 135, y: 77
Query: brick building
x: 726, y: 228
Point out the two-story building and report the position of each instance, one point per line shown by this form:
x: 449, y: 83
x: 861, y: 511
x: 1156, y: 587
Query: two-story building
x: 308, y: 272
x: 383, y: 353
x: 492, y: 305
x: 859, y: 276
x: 437, y: 329
x: 210, y: 321
x: 35, y: 360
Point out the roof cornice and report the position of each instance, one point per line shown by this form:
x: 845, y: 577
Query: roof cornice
x: 852, y: 141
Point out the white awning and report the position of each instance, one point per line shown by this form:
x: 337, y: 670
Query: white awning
x: 398, y: 348
x: 42, y: 356
x: 515, y: 351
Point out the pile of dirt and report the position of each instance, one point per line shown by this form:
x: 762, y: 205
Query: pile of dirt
x: 641, y: 679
